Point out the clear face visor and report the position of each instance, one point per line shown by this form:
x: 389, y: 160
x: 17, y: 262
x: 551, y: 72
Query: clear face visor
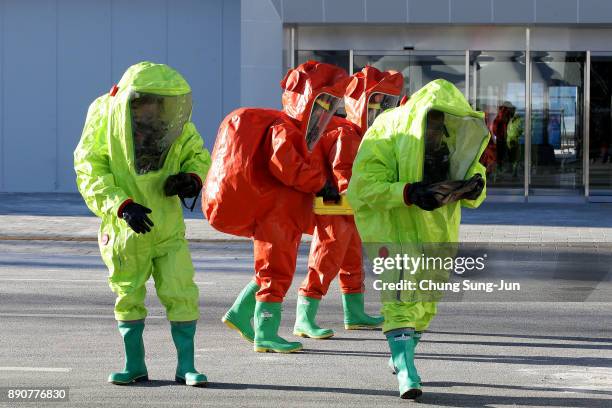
x: 323, y: 108
x: 157, y: 121
x: 436, y: 162
x: 451, y: 145
x: 380, y: 102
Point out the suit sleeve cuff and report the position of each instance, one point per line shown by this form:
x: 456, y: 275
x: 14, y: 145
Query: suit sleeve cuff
x: 407, y: 195
x: 198, y: 180
x: 122, y: 206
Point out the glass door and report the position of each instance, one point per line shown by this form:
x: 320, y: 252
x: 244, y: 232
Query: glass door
x: 418, y: 67
x: 557, y: 106
x: 600, y: 126
x: 497, y: 88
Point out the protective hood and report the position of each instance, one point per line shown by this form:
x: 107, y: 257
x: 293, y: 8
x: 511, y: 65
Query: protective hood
x: 465, y: 130
x: 369, y: 93
x: 152, y: 78
x: 157, y: 121
x: 149, y: 108
x: 392, y: 153
x: 312, y: 93
x: 107, y: 173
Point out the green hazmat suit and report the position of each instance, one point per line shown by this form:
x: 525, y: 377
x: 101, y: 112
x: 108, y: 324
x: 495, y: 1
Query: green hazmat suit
x: 390, y: 156
x: 108, y: 176
x: 514, y: 131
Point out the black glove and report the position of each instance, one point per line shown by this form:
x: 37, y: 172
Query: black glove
x: 183, y: 184
x: 421, y: 195
x: 329, y: 192
x: 136, y: 217
x: 476, y: 185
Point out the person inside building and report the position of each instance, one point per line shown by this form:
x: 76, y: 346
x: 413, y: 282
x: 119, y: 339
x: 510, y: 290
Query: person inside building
x: 336, y: 247
x: 514, y: 139
x: 499, y: 130
x: 139, y: 156
x: 262, y: 184
x: 417, y: 165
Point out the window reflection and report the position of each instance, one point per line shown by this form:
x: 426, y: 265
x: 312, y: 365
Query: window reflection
x: 340, y: 58
x: 498, y: 81
x: 418, y: 69
x: 497, y: 87
x: 556, y: 125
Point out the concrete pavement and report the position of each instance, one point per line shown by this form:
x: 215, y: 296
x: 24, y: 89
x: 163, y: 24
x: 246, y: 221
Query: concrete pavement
x: 65, y: 217
x: 58, y: 331
x: 57, y: 327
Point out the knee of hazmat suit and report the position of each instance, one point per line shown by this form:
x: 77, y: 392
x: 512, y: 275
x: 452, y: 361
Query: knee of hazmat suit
x: 392, y: 154
x: 134, y: 138
x: 262, y: 161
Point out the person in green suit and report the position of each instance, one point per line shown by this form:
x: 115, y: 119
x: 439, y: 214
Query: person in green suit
x: 139, y: 156
x: 514, y: 137
x: 417, y: 165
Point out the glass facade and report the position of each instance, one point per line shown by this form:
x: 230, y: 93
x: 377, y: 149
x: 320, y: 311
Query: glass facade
x: 339, y: 58
x: 557, y: 100
x: 498, y: 89
x: 548, y: 147
x: 418, y: 68
x: 600, y: 128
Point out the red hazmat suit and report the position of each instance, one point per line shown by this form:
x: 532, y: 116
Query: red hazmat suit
x: 263, y: 176
x: 336, y: 246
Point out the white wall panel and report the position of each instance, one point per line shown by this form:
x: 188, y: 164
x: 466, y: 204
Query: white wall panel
x: 194, y: 49
x: 29, y: 94
x: 83, y: 73
x: 57, y: 56
x: 139, y: 32
x: 262, y: 54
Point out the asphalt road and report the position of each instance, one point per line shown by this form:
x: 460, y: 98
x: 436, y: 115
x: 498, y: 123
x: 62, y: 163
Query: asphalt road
x: 57, y: 330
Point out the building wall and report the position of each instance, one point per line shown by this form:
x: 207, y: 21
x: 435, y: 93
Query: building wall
x: 444, y: 37
x: 58, y: 56
x: 394, y: 24
x: 261, y: 54
x: 446, y: 11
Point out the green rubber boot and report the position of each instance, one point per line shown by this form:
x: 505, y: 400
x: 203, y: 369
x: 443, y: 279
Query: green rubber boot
x: 183, y: 334
x: 239, y: 316
x: 267, y: 322
x: 402, y: 345
x: 305, y: 314
x: 416, y: 337
x: 135, y: 369
x: 355, y: 317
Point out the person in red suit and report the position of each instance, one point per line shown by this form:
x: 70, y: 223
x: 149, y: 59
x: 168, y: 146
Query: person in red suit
x: 262, y: 183
x: 336, y: 246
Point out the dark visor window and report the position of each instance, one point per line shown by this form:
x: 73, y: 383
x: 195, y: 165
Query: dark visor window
x: 323, y: 109
x: 378, y: 103
x: 157, y: 121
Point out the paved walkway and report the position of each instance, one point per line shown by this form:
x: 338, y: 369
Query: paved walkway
x: 65, y: 217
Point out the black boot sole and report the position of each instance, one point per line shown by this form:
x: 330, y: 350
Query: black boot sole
x: 135, y: 380
x: 413, y: 393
